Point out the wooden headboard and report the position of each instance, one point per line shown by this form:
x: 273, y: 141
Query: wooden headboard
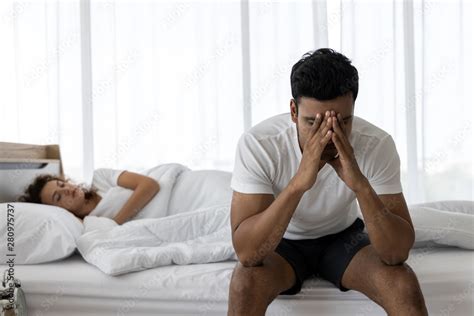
x: 21, y: 163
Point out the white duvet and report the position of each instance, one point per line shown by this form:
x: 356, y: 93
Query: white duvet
x: 203, y: 236
x: 199, y: 235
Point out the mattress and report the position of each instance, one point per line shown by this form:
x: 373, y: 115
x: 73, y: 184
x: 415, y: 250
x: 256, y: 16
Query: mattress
x: 74, y: 287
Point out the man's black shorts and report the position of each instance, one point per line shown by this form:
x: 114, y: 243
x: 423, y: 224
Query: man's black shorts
x: 326, y: 257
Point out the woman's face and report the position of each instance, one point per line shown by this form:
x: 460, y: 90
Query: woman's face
x: 63, y: 194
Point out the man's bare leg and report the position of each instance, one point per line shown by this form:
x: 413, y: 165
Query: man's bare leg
x: 252, y: 289
x: 393, y: 287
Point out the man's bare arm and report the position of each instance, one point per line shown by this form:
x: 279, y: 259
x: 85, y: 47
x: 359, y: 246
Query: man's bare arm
x: 388, y: 224
x: 386, y: 216
x: 258, y: 220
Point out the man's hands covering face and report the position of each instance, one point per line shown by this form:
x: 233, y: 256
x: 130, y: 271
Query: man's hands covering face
x: 345, y: 164
x: 329, y: 127
x: 318, y: 137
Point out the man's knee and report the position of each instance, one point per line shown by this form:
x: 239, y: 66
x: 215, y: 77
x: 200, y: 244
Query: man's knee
x: 252, y: 282
x: 252, y: 289
x: 404, y: 287
x: 243, y: 279
x: 248, y: 292
x: 404, y: 280
x: 246, y: 280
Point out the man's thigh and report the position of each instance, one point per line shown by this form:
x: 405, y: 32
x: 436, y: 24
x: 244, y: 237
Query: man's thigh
x: 391, y: 286
x: 339, y: 252
x: 360, y: 274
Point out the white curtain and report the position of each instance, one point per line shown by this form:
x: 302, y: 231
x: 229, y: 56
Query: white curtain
x: 133, y: 84
x: 40, y: 77
x: 415, y: 65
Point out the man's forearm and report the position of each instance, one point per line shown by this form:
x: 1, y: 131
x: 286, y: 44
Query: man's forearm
x: 391, y: 235
x: 260, y: 234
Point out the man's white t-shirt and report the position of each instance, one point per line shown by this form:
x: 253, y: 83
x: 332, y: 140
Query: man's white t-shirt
x: 268, y: 156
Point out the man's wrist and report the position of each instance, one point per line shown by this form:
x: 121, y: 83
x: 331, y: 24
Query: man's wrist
x: 294, y: 188
x: 362, y: 186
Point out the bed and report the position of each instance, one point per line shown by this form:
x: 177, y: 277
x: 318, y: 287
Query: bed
x: 74, y: 287
x: 70, y: 285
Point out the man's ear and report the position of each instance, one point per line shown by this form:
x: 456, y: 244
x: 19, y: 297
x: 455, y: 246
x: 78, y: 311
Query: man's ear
x: 293, y: 110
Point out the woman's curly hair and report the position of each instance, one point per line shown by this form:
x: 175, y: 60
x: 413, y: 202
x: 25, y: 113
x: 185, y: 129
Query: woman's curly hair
x: 33, y: 191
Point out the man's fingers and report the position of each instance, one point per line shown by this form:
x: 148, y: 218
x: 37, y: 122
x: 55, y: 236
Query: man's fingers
x: 341, y: 122
x: 316, y: 123
x: 341, y: 149
x: 326, y: 138
x: 324, y: 119
x: 336, y: 125
x: 319, y: 123
x: 339, y: 128
x: 325, y: 127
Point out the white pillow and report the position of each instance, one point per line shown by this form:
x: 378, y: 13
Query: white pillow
x: 200, y: 188
x: 456, y: 206
x: 443, y: 223
x: 42, y: 233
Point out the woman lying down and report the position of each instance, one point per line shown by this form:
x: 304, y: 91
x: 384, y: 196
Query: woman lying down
x: 123, y: 195
x: 171, y: 214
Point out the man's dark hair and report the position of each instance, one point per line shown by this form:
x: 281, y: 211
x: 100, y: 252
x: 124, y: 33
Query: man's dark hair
x: 323, y: 74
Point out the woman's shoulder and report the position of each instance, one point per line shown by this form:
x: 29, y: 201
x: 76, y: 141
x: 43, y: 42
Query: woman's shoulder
x: 105, y: 178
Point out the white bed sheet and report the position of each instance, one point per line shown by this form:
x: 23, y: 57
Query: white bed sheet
x: 73, y: 287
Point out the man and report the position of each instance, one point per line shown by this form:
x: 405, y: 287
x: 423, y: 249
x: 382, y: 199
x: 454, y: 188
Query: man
x: 296, y: 180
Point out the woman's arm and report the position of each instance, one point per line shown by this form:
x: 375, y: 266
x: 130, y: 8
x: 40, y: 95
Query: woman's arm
x: 144, y: 189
